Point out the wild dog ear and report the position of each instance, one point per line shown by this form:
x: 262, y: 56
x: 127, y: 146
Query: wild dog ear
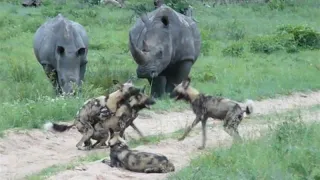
x: 111, y: 131
x: 186, y: 82
x: 115, y: 82
x: 118, y: 85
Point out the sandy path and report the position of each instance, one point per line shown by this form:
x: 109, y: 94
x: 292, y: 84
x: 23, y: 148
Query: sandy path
x: 180, y: 153
x: 28, y: 152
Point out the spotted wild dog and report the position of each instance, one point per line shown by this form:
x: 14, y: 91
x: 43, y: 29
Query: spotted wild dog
x: 205, y: 106
x: 133, y: 160
x: 123, y: 118
x: 95, y: 110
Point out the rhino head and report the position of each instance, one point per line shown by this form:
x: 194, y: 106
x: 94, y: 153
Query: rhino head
x: 156, y: 51
x: 70, y: 67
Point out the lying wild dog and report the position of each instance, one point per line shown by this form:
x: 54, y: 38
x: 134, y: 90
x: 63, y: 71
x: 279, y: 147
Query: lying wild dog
x: 133, y: 160
x: 205, y: 106
x: 95, y: 110
x: 124, y: 117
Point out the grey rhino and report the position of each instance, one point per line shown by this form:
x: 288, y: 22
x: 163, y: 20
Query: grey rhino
x: 165, y: 44
x: 61, y: 47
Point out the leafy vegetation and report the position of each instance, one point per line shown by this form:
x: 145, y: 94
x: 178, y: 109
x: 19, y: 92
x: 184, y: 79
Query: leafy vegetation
x: 231, y: 63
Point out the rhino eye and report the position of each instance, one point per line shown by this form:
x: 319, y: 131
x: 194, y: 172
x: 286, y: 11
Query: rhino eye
x: 159, y: 54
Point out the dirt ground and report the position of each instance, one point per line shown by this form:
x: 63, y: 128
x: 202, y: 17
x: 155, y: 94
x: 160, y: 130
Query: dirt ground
x: 25, y: 152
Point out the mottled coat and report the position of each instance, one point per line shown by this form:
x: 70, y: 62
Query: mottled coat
x: 205, y: 106
x: 137, y: 161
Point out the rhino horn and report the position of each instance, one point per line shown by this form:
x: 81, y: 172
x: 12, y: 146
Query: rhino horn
x: 138, y: 55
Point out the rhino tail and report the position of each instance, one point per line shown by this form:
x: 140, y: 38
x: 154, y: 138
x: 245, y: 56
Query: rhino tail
x: 57, y: 127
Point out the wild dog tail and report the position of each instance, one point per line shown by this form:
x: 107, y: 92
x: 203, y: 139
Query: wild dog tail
x: 57, y: 127
x: 249, y: 106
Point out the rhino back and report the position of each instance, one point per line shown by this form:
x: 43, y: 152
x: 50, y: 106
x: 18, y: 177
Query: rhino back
x: 58, y: 31
x: 185, y: 34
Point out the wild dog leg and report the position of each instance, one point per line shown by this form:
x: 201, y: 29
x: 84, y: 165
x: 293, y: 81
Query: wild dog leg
x: 136, y: 129
x: 86, y: 136
x: 152, y: 170
x: 231, y: 124
x: 195, y: 122
x: 88, y: 143
x: 204, y: 132
x: 101, y: 143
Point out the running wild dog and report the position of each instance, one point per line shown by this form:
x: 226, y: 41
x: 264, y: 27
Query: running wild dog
x: 133, y: 160
x: 124, y: 117
x: 205, y: 106
x: 95, y: 110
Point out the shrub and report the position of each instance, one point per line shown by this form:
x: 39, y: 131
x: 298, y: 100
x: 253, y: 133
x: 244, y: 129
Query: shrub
x: 271, y: 43
x: 205, y: 75
x: 305, y: 37
x: 280, y: 4
x: 235, y: 30
x: 235, y: 50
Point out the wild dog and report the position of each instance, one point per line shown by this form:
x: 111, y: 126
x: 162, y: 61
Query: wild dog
x: 133, y: 160
x: 124, y: 117
x: 205, y: 106
x: 95, y: 110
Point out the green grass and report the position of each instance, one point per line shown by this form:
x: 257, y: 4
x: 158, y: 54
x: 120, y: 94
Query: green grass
x: 290, y: 151
x: 26, y: 92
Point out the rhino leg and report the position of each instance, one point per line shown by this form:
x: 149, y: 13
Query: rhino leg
x: 53, y: 77
x: 158, y: 86
x: 179, y: 72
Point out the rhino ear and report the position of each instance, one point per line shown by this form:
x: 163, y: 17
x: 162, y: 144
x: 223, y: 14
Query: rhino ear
x: 60, y: 50
x: 81, y: 51
x: 165, y: 20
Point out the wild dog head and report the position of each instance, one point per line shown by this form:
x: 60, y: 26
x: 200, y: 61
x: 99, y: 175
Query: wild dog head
x: 115, y: 139
x: 121, y: 95
x: 141, y: 101
x: 184, y: 91
x: 126, y: 89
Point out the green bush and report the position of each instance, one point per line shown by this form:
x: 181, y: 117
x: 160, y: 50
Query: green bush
x: 280, y: 4
x: 206, y: 75
x: 236, y: 50
x: 235, y: 30
x: 305, y: 37
x: 271, y: 43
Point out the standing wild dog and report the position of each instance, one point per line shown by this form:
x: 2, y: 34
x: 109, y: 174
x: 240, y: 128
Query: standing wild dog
x: 133, y: 160
x: 123, y: 118
x: 205, y: 106
x: 95, y: 110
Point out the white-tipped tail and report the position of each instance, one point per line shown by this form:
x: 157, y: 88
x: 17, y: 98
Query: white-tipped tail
x: 48, y: 126
x: 249, y: 106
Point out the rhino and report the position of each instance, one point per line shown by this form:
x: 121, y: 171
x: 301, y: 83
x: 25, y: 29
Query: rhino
x: 165, y: 44
x: 61, y: 47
